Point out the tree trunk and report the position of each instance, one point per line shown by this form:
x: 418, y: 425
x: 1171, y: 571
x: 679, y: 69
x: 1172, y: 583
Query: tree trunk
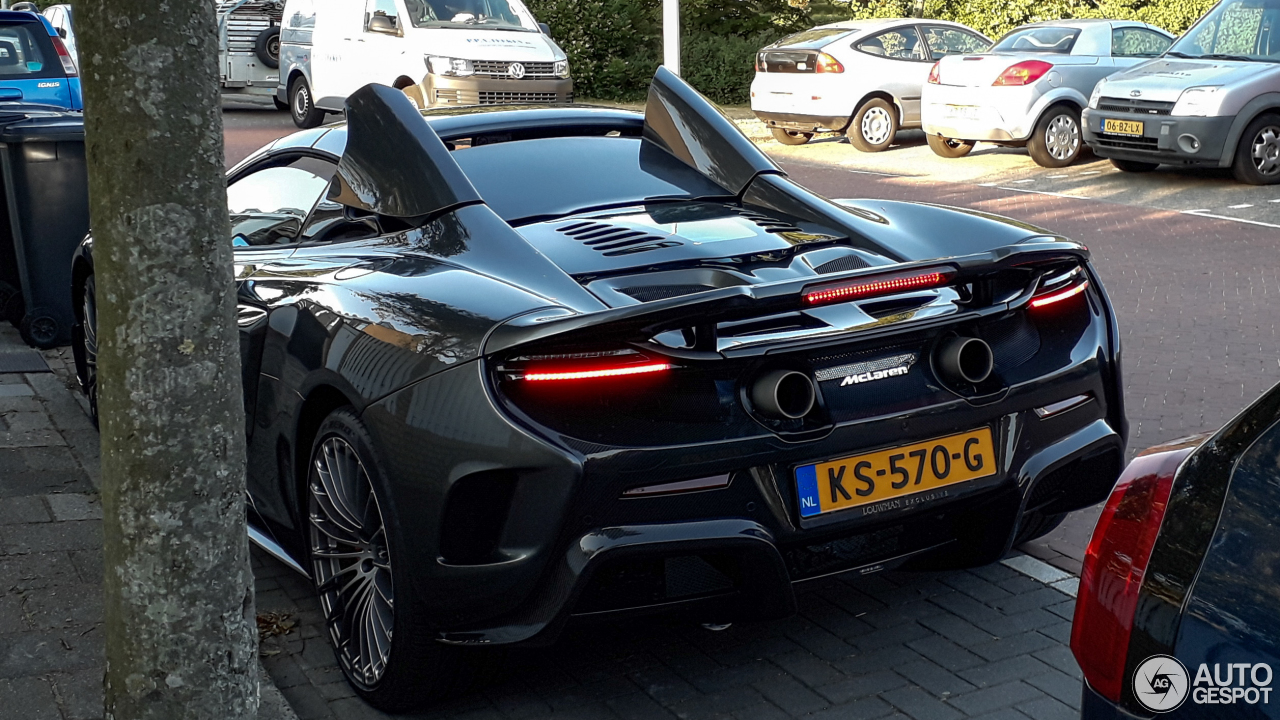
x: 179, y: 594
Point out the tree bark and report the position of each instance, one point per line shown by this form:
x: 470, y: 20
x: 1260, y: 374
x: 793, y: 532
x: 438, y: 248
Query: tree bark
x: 179, y: 594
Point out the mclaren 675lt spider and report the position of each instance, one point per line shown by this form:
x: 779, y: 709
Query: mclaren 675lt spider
x: 507, y: 368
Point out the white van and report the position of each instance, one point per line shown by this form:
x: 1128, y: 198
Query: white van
x: 440, y: 52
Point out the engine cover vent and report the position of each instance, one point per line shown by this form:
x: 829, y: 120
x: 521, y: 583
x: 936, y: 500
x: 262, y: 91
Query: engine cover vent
x: 613, y: 240
x: 842, y: 264
x: 768, y: 224
x: 651, y: 293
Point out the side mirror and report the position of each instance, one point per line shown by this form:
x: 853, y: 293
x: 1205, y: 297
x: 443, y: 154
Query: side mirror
x: 545, y: 28
x: 62, y: 33
x: 382, y: 24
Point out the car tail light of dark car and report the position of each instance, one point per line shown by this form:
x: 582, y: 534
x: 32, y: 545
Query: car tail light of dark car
x: 1023, y: 73
x: 935, y: 74
x: 1115, y: 564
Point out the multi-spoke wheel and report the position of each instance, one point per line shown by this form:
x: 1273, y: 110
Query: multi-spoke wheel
x: 350, y: 562
x: 86, y: 338
x: 1257, y: 160
x: 381, y: 629
x: 1056, y: 141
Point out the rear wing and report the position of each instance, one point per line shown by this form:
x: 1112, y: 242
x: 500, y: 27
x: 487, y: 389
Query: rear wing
x: 702, y: 312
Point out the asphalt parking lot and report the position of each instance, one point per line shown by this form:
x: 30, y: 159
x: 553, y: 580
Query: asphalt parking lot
x: 1188, y: 259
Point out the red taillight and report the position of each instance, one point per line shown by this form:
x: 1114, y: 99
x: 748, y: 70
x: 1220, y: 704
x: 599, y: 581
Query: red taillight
x: 68, y: 62
x: 934, y: 78
x: 828, y: 64
x: 1058, y: 296
x: 597, y: 373
x: 1114, y: 566
x: 1024, y: 73
x: 862, y: 288
x: 760, y: 66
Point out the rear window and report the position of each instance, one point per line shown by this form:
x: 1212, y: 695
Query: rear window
x: 1038, y: 40
x: 528, y: 180
x: 26, y: 52
x: 814, y: 39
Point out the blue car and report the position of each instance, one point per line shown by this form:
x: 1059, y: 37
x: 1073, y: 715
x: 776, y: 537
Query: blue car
x: 35, y: 65
x: 1179, y: 604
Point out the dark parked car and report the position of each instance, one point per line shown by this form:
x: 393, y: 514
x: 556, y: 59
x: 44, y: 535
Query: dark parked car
x: 1179, y: 604
x: 508, y: 367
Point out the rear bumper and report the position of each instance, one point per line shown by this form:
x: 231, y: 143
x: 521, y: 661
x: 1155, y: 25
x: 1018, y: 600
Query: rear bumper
x: 1160, y: 141
x: 994, y: 114
x: 803, y: 123
x: 573, y: 547
x: 1095, y: 707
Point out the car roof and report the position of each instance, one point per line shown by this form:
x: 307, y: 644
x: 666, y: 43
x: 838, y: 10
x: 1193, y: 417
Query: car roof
x: 875, y: 24
x: 11, y: 17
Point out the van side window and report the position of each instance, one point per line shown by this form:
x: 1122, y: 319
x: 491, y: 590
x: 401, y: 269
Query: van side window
x: 1138, y: 42
x: 385, y: 8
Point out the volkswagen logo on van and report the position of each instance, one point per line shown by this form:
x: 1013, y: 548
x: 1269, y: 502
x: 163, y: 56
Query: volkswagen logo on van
x: 517, y: 71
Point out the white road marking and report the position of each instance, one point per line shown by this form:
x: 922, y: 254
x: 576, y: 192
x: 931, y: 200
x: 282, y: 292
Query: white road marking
x: 1091, y: 172
x: 871, y: 172
x: 1277, y: 200
x: 1202, y: 213
x: 1239, y: 207
x: 1039, y: 192
x: 1059, y: 580
x: 1055, y: 177
x: 1015, y: 182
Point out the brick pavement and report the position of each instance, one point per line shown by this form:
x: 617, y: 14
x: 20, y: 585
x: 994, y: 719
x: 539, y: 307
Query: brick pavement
x: 51, y: 630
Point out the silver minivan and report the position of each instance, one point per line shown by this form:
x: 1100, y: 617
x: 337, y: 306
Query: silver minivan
x: 1213, y: 99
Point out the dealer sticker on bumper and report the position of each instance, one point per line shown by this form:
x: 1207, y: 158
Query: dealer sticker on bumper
x: 897, y: 473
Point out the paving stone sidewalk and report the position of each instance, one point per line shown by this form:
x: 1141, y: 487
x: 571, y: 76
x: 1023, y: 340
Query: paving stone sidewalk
x: 51, y: 642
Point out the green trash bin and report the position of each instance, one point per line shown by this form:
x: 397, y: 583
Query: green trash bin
x: 44, y: 217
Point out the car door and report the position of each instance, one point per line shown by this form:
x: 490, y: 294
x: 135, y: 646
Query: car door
x: 904, y: 68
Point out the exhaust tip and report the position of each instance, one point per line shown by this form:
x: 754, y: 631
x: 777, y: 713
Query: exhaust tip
x: 784, y: 394
x: 968, y: 360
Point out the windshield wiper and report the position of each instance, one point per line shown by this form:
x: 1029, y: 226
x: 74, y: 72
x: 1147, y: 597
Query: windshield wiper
x: 1223, y: 56
x: 1175, y: 53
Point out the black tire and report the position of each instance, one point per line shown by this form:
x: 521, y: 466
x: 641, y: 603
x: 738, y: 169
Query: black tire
x: 302, y: 106
x: 1133, y: 166
x: 86, y: 337
x: 790, y: 137
x: 40, y: 329
x: 1036, y: 525
x: 267, y: 47
x: 874, y: 126
x: 949, y: 147
x: 352, y: 549
x: 1257, y: 160
x: 1057, y: 140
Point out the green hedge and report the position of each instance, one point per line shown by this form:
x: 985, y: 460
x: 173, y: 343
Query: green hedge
x: 615, y: 45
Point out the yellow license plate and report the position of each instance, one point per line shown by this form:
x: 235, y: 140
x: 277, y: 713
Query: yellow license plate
x: 898, y: 473
x: 1121, y: 127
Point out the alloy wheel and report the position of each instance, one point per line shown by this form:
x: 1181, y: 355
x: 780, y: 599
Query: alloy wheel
x: 876, y: 125
x: 1062, y: 137
x: 1266, y: 151
x: 89, y: 342
x: 350, y: 561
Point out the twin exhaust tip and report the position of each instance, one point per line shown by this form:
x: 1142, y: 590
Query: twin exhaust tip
x: 790, y: 395
x: 784, y: 395
x: 964, y: 359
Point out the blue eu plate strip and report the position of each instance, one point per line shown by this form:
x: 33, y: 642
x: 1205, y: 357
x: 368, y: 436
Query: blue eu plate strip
x: 807, y: 484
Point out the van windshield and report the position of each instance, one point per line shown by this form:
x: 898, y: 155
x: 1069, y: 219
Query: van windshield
x: 492, y: 14
x: 1246, y: 30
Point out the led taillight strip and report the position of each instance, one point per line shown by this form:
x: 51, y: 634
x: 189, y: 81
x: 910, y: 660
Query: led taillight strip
x: 861, y: 289
x: 600, y: 373
x: 1070, y: 292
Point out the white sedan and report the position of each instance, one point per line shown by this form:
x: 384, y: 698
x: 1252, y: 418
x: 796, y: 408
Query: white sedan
x: 1030, y: 88
x: 860, y: 77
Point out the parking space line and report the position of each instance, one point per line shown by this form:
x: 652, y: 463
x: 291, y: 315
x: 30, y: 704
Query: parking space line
x: 1055, y: 177
x: 1239, y: 207
x: 873, y: 172
x: 1204, y: 213
x: 1015, y: 182
x: 1038, y: 192
x: 1091, y: 172
x: 1276, y: 200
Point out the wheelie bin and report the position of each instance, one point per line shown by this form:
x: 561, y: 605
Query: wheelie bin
x: 44, y: 217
